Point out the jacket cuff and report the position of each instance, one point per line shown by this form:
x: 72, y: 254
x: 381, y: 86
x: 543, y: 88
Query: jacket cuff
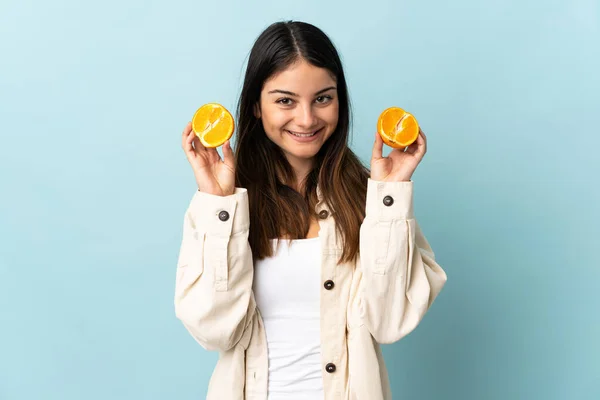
x: 389, y: 200
x: 222, y: 216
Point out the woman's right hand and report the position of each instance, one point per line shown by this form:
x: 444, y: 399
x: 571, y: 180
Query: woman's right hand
x: 213, y: 175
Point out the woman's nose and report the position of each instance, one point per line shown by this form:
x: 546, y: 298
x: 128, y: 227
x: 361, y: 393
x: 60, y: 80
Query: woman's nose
x: 306, y: 117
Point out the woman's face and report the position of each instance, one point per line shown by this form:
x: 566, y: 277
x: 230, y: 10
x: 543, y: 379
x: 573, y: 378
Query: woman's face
x: 299, y: 110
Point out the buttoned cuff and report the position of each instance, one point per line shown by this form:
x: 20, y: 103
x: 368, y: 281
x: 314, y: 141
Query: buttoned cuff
x: 389, y: 200
x: 221, y: 216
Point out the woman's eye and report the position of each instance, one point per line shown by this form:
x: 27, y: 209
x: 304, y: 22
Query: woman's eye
x: 323, y: 99
x: 285, y: 101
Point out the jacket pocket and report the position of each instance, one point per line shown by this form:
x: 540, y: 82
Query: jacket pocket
x: 216, y: 254
x: 382, y: 246
x: 191, y: 261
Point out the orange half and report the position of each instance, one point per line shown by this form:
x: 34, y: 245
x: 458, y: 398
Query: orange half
x: 397, y: 127
x: 213, y: 124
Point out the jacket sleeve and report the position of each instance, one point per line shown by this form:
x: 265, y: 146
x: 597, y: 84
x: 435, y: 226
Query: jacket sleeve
x: 213, y: 290
x: 398, y: 278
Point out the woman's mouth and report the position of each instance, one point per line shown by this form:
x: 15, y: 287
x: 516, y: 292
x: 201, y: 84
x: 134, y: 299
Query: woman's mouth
x: 304, y: 136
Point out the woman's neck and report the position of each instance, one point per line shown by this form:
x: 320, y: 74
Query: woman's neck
x: 301, y: 168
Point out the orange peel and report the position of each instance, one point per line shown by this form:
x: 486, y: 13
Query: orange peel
x: 213, y: 124
x: 397, y: 128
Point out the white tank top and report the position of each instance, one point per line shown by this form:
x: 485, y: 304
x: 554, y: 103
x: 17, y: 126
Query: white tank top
x: 287, y: 291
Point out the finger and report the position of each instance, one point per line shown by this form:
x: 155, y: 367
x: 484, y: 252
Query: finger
x: 422, y: 141
x: 413, y: 147
x: 198, y: 146
x: 213, y: 155
x: 377, y: 147
x: 420, y: 144
x: 190, y: 144
x: 228, y: 158
x: 185, y: 136
x: 187, y: 129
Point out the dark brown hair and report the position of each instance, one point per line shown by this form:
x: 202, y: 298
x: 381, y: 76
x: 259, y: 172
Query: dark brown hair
x: 261, y: 166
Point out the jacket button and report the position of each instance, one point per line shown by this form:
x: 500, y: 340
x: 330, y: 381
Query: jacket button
x: 330, y: 368
x: 223, y: 216
x: 388, y: 201
x: 323, y: 214
x: 329, y: 284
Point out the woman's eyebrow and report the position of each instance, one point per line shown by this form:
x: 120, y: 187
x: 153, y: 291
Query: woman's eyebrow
x: 287, y: 92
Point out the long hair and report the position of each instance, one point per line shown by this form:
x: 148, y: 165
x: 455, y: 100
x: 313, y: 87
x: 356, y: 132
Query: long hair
x: 261, y: 166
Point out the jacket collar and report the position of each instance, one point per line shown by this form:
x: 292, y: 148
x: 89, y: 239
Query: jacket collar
x: 321, y: 203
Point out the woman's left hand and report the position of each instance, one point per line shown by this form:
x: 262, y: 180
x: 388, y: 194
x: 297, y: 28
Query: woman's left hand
x: 400, y: 164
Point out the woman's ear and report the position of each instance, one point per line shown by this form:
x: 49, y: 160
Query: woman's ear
x: 257, y: 110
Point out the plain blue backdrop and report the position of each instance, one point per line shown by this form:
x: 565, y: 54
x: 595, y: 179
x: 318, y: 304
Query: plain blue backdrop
x: 94, y: 184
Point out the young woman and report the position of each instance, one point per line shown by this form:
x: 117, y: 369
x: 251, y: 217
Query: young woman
x: 296, y: 261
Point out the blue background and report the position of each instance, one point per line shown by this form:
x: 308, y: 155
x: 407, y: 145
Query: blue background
x: 94, y: 184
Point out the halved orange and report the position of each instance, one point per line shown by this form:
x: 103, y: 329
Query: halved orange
x: 397, y: 128
x: 213, y: 124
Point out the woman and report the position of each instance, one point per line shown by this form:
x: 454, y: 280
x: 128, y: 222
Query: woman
x: 296, y: 261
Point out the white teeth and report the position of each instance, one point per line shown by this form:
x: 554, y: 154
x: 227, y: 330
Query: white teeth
x: 303, y: 134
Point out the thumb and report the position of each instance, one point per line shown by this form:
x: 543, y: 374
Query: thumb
x: 228, y: 158
x: 377, y: 148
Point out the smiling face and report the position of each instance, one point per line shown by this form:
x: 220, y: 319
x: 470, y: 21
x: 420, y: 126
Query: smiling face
x: 299, y: 111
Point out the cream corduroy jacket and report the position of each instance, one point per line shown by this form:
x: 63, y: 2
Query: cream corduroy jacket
x: 378, y: 299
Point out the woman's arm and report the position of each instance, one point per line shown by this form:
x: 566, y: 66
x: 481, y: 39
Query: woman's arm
x: 213, y: 293
x: 397, y: 278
